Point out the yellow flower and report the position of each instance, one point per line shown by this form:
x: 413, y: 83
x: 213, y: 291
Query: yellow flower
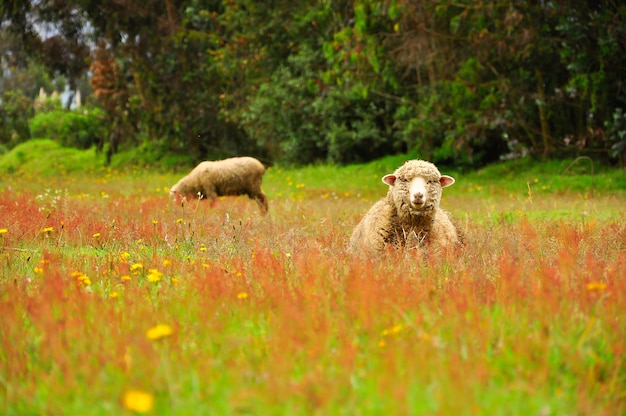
x: 596, y: 286
x: 178, y: 221
x: 392, y: 331
x: 47, y: 230
x: 242, y: 295
x: 96, y: 235
x: 287, y: 255
x: 3, y: 231
x: 135, y: 268
x: 138, y: 401
x: 38, y: 270
x: 166, y: 263
x: 113, y: 295
x: 155, y: 222
x: 159, y: 331
x: 126, y: 278
x: 154, y: 275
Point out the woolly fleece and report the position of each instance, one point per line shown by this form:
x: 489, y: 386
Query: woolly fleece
x: 228, y: 177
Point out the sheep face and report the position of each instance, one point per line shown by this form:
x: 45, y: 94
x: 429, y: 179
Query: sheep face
x: 414, y: 192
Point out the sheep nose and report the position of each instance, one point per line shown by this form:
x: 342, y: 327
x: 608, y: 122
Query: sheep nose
x: 418, y: 198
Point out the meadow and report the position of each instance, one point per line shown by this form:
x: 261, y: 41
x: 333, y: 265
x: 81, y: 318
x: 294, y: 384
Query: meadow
x: 114, y: 300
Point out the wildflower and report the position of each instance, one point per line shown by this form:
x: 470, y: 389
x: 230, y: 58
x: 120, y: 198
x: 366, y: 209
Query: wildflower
x: 154, y: 275
x: 96, y: 235
x: 38, y: 270
x: 126, y: 278
x: 288, y: 255
x: 124, y: 256
x: 47, y: 230
x: 392, y: 331
x: 154, y: 222
x: 179, y: 221
x: 136, y: 268
x: 138, y: 401
x: 113, y: 295
x: 159, y: 331
x: 202, y: 247
x: 596, y: 286
x: 3, y: 231
x: 174, y: 281
x: 167, y: 263
x: 242, y: 295
x: 81, y: 278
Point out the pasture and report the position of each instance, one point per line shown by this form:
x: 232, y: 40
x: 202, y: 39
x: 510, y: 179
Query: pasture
x: 114, y: 300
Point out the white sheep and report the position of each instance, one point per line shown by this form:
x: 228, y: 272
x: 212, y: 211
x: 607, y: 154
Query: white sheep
x: 409, y: 216
x: 228, y: 177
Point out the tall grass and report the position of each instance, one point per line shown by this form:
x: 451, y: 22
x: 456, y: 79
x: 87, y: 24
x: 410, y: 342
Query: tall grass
x: 114, y: 300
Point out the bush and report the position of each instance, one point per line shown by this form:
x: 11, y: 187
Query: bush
x: 80, y: 129
x: 15, y: 111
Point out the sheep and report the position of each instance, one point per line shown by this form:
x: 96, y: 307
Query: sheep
x: 228, y: 177
x: 409, y: 216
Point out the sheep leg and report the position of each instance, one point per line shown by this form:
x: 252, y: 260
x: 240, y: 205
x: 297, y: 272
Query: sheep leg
x: 261, y: 201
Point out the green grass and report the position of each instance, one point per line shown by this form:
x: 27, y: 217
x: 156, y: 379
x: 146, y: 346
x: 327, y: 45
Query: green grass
x: 270, y: 315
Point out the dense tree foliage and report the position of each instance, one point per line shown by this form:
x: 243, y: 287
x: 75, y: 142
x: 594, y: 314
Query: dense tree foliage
x: 465, y: 82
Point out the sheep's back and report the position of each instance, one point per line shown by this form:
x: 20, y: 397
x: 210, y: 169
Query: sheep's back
x: 233, y: 176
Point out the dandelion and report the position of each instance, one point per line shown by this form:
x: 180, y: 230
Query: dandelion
x: 136, y: 268
x: 138, y: 401
x: 159, y: 331
x: 242, y: 295
x: 599, y: 286
x: 392, y: 331
x: 81, y: 278
x: 154, y: 275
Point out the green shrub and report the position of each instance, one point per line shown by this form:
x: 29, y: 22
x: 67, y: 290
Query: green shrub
x: 80, y: 129
x: 15, y: 110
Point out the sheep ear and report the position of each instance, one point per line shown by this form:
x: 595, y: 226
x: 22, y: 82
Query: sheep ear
x: 446, y: 180
x: 389, y: 179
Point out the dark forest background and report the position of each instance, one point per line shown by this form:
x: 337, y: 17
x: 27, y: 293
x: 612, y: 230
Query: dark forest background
x: 297, y: 81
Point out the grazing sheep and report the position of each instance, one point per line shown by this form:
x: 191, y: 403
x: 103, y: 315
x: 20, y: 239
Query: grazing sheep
x: 234, y: 176
x: 409, y: 215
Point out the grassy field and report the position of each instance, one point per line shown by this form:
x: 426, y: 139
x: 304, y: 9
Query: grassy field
x: 114, y: 300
